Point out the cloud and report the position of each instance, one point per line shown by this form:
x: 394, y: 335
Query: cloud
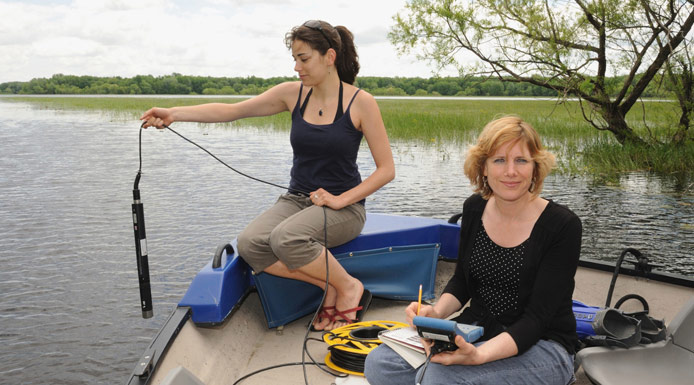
x: 377, y: 35
x: 208, y: 37
x: 66, y: 47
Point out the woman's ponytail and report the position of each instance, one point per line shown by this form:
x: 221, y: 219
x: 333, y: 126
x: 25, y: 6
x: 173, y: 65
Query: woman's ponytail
x: 347, y: 61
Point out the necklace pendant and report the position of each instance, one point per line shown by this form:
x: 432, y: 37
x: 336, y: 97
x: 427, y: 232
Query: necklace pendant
x: 320, y: 112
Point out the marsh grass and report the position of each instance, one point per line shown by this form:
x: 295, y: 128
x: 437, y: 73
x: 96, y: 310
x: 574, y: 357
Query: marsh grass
x: 602, y: 157
x: 131, y: 108
x: 580, y: 148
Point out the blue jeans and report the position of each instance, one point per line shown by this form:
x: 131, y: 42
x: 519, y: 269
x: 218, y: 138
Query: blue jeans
x: 546, y: 363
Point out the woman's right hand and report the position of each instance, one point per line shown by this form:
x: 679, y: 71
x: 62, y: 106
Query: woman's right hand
x: 424, y: 311
x: 157, y: 117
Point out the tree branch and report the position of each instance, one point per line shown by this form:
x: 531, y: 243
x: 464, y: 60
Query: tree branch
x: 662, y: 56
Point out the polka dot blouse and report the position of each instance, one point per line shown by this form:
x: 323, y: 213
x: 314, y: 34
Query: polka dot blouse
x: 497, y: 272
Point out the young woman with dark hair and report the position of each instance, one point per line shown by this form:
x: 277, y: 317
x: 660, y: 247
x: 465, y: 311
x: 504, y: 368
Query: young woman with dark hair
x: 329, y: 118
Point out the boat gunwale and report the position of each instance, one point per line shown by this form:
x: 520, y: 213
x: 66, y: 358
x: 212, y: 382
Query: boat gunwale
x: 654, y: 275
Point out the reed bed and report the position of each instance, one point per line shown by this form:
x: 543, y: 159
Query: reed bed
x: 580, y: 148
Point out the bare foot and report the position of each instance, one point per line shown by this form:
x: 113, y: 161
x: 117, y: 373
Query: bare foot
x: 345, y: 301
x: 322, y: 322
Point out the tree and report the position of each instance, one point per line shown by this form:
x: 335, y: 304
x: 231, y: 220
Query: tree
x: 570, y: 47
x: 679, y: 72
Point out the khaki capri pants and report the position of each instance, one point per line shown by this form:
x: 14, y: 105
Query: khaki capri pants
x: 292, y: 231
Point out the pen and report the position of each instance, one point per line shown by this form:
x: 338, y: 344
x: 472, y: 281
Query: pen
x: 419, y: 300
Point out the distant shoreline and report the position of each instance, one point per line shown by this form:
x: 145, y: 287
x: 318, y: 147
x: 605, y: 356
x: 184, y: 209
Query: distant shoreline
x: 378, y: 97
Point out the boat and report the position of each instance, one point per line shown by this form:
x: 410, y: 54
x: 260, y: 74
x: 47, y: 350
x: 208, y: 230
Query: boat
x: 232, y: 323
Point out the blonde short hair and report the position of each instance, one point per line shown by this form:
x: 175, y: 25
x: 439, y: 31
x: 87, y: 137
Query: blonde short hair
x: 496, y: 134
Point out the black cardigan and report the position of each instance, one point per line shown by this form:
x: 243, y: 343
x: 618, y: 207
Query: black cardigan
x: 547, y: 279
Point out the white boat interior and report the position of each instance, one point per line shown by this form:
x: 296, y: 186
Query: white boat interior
x: 243, y: 343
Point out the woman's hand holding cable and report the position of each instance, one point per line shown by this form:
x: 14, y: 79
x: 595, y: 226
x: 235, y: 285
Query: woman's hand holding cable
x: 321, y: 197
x: 157, y: 117
x: 466, y: 354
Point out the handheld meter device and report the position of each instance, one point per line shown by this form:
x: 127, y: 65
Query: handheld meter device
x: 443, y: 331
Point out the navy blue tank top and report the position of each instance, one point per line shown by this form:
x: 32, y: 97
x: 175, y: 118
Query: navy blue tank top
x: 325, y: 155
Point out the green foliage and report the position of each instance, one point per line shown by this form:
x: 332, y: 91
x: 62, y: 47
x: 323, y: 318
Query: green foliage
x: 177, y: 84
x: 574, y: 48
x: 174, y: 84
x: 604, y: 157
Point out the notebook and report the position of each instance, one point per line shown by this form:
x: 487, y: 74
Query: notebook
x: 405, y: 342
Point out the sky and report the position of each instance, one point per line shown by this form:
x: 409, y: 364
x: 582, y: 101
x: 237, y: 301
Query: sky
x: 225, y: 38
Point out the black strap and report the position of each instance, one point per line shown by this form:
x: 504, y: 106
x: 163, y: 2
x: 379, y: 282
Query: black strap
x: 338, y: 113
x: 652, y: 330
x: 303, y: 106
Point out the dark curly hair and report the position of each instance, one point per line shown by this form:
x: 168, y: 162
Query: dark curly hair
x: 338, y: 38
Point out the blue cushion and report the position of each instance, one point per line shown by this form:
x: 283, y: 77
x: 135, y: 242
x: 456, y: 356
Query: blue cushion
x: 389, y: 272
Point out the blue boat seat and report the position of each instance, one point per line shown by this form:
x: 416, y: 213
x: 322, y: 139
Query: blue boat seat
x: 392, y: 272
x: 665, y: 362
x: 392, y: 257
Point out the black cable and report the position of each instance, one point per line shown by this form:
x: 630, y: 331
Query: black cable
x: 139, y: 170
x: 272, y: 367
x: 231, y: 168
x: 304, y: 350
x: 420, y: 376
x: 618, y: 266
x: 350, y: 353
x: 347, y: 360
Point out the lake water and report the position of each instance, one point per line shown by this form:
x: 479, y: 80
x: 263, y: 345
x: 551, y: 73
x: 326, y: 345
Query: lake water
x: 69, y: 310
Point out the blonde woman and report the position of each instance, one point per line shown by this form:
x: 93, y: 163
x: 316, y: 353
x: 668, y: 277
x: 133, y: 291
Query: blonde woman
x: 517, y: 260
